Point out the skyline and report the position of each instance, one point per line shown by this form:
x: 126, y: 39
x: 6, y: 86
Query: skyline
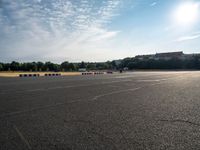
x: 89, y: 30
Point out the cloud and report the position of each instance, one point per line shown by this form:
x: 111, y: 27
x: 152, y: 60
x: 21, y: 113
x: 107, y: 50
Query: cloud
x: 44, y: 29
x: 186, y: 38
x: 153, y: 4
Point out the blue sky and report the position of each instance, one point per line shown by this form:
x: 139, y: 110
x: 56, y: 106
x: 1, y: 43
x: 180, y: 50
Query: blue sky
x: 96, y: 30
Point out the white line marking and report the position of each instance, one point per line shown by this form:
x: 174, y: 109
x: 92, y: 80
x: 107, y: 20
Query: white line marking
x: 22, y: 137
x: 70, y: 102
x: 115, y: 92
x: 156, y: 80
x: 113, y: 86
x: 79, y: 100
x: 35, y: 90
x: 64, y: 87
x: 122, y: 77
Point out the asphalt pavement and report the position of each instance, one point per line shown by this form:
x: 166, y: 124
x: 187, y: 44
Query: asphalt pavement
x: 128, y: 111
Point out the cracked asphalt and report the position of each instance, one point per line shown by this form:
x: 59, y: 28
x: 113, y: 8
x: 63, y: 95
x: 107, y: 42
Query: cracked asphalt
x: 129, y: 111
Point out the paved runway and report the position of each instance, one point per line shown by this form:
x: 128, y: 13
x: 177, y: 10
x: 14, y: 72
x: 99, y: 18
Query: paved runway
x: 139, y: 110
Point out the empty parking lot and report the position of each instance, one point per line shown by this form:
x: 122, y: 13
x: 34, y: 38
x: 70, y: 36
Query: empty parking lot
x: 138, y: 110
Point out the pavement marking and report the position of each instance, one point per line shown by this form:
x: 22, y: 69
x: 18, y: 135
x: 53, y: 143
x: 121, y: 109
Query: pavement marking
x: 70, y: 102
x: 122, y: 77
x: 113, y: 86
x: 63, y: 87
x: 34, y: 90
x: 115, y: 81
x: 139, y: 75
x: 129, y: 84
x: 158, y: 83
x: 153, y: 80
x: 115, y: 92
x: 37, y: 108
x: 79, y: 100
x: 22, y: 137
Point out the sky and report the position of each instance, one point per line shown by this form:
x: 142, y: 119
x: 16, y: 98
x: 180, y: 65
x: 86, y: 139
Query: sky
x: 96, y: 30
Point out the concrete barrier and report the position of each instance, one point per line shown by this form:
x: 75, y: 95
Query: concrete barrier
x: 87, y: 73
x: 29, y: 75
x: 52, y: 74
x: 109, y: 72
x: 98, y: 73
x: 37, y: 75
x: 92, y: 73
x: 58, y: 74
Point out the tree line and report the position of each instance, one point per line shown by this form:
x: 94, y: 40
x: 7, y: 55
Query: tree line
x: 128, y: 63
x: 49, y: 66
x: 173, y: 63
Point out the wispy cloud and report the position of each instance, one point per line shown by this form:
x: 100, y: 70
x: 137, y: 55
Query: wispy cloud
x: 153, y: 4
x: 49, y: 28
x: 190, y: 37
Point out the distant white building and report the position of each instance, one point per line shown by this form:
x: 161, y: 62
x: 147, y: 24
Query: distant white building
x: 82, y: 69
x: 170, y: 55
x: 143, y: 57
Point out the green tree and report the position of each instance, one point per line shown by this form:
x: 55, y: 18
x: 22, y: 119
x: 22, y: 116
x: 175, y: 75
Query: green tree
x: 49, y: 66
x: 1, y: 67
x: 102, y: 66
x: 91, y: 66
x: 40, y: 66
x: 15, y: 66
x: 82, y: 65
x: 71, y: 67
x: 65, y: 66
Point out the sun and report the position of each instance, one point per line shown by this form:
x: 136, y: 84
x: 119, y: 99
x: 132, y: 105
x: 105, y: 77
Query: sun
x: 186, y: 13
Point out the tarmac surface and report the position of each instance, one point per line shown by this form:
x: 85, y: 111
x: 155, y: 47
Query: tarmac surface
x: 129, y: 111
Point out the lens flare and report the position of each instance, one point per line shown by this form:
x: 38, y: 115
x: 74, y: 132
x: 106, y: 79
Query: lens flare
x: 187, y: 13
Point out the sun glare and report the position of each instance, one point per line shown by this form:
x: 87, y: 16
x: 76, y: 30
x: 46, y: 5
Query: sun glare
x: 186, y: 14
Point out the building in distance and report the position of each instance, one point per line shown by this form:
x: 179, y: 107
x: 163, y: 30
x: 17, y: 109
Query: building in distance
x: 167, y: 56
